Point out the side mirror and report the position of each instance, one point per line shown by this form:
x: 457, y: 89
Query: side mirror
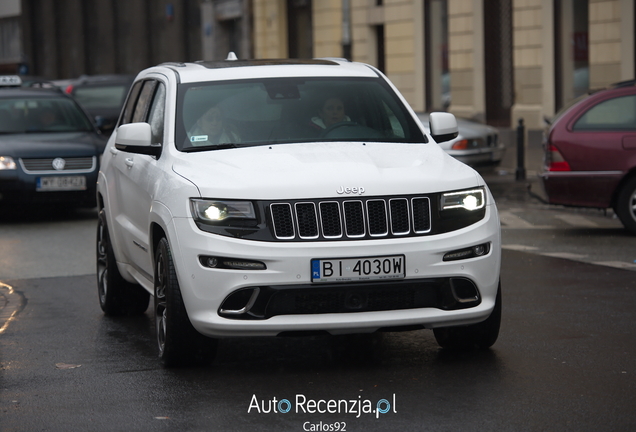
x: 443, y: 126
x: 136, y: 138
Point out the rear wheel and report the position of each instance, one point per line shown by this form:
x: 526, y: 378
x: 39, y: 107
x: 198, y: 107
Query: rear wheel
x: 476, y: 336
x: 178, y: 342
x: 626, y: 205
x: 116, y: 295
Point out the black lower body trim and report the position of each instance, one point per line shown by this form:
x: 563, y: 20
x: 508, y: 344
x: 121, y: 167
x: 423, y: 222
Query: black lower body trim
x: 440, y: 293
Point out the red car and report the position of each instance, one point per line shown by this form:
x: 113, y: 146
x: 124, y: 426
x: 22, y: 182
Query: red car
x: 590, y: 153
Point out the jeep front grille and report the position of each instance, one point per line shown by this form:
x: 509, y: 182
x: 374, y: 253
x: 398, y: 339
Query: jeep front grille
x: 351, y: 218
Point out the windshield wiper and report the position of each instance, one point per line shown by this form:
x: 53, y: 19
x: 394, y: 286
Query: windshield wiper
x: 210, y: 147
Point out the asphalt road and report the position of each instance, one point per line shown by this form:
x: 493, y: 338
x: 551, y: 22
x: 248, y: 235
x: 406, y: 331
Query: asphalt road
x: 565, y: 360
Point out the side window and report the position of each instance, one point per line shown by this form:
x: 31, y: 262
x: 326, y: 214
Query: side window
x: 145, y: 97
x: 130, y: 103
x: 613, y: 114
x: 155, y: 117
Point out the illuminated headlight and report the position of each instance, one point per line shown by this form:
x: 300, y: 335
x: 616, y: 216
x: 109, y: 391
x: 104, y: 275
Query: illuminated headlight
x: 219, y: 211
x: 7, y: 163
x: 473, y: 199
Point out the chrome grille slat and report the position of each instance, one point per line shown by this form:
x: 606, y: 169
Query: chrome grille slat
x: 330, y: 220
x: 376, y: 217
x: 45, y: 165
x: 354, y: 219
x: 306, y: 220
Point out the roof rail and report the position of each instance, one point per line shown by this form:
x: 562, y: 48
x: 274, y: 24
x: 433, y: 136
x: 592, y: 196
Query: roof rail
x: 342, y: 59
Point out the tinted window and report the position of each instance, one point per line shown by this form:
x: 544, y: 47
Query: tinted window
x: 613, y: 114
x: 145, y: 96
x: 155, y: 117
x: 42, y: 115
x: 129, y: 109
x: 270, y: 111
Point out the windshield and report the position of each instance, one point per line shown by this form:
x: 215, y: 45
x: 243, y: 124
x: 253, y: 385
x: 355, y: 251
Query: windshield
x: 20, y: 115
x: 271, y: 111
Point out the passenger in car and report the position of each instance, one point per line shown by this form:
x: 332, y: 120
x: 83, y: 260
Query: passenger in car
x: 212, y: 129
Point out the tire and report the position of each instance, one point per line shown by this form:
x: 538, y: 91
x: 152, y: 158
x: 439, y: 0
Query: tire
x: 116, y: 295
x: 178, y: 342
x: 476, y: 336
x: 626, y: 205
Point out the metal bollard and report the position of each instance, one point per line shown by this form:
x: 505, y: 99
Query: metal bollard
x: 520, y: 173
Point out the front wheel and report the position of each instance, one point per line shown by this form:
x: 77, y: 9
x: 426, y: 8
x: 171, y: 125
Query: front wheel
x: 116, y: 295
x: 626, y: 205
x: 480, y: 336
x: 178, y: 342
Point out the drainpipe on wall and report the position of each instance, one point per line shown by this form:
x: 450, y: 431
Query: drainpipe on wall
x: 346, y: 29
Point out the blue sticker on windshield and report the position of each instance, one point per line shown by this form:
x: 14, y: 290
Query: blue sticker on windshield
x: 198, y: 138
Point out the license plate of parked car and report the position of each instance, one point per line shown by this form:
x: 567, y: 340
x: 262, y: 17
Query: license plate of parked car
x: 356, y: 269
x: 46, y: 184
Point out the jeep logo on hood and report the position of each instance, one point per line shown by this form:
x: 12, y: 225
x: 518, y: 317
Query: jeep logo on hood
x: 350, y: 190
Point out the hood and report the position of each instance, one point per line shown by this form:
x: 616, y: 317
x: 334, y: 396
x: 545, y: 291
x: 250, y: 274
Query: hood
x: 59, y: 144
x: 320, y: 170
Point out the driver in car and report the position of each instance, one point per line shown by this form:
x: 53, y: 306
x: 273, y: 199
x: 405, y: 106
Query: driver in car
x: 331, y: 112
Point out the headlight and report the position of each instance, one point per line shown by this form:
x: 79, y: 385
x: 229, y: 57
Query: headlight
x: 7, y: 163
x: 471, y: 200
x: 221, y: 211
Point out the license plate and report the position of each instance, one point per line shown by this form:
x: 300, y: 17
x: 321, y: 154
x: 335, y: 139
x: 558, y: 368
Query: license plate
x: 358, y: 269
x: 68, y: 183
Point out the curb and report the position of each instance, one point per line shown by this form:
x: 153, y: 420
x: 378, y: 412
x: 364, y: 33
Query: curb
x: 11, y: 304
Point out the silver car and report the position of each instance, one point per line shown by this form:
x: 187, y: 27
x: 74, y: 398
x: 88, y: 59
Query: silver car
x: 476, y: 144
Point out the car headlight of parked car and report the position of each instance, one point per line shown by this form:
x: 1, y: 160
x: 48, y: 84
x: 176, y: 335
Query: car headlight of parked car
x: 7, y: 163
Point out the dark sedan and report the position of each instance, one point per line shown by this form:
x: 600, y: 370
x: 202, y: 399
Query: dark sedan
x: 590, y: 153
x: 49, y: 149
x: 102, y: 96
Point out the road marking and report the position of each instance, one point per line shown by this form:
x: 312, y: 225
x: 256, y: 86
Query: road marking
x: 521, y: 248
x: 617, y: 264
x: 566, y: 255
x: 577, y: 221
x: 512, y: 221
x: 11, y: 303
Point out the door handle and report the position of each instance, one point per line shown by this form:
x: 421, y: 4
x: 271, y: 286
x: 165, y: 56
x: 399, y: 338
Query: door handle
x: 114, y: 151
x: 129, y: 162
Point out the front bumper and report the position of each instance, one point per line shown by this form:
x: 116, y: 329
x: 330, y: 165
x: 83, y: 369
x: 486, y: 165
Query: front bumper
x: 288, y: 272
x: 18, y: 187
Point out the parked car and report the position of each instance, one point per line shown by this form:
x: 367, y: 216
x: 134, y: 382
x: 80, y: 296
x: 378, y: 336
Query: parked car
x: 49, y: 149
x: 102, y: 96
x: 590, y: 153
x: 266, y: 198
x: 476, y: 145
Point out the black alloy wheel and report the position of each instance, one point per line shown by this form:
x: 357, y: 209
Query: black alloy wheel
x: 178, y: 342
x: 116, y: 295
x: 626, y: 205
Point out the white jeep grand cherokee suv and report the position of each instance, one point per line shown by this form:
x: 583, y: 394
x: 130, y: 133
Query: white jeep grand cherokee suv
x: 283, y: 197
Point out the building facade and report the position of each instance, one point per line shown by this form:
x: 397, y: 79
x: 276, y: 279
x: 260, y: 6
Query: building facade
x: 494, y: 61
x: 491, y: 60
